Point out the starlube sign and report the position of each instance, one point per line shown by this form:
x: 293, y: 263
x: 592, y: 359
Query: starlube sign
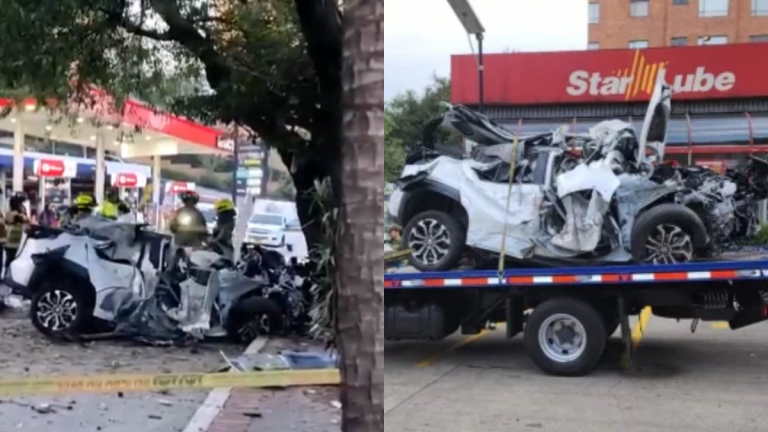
x: 641, y: 78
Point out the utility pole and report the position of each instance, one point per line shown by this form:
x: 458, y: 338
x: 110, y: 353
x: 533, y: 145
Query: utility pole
x: 473, y: 27
x: 236, y: 160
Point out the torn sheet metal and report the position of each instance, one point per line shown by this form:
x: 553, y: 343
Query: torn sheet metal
x: 595, y: 176
x: 486, y: 205
x: 584, y: 223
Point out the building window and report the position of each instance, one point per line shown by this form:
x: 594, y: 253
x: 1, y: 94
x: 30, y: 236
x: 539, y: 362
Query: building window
x: 594, y: 13
x: 638, y: 8
x: 713, y: 40
x: 713, y: 8
x: 759, y: 7
x: 593, y: 46
x: 678, y: 41
x: 759, y: 38
x: 679, y: 2
x: 637, y: 44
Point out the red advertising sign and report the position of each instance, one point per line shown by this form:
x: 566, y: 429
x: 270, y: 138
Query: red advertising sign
x: 178, y: 187
x: 700, y: 72
x: 129, y: 180
x: 50, y: 168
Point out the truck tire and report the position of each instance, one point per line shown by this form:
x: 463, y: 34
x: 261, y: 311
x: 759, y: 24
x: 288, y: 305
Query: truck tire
x: 565, y: 337
x: 446, y: 234
x: 672, y: 228
x: 610, y: 319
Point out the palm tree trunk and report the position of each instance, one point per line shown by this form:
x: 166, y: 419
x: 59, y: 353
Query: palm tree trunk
x: 360, y: 256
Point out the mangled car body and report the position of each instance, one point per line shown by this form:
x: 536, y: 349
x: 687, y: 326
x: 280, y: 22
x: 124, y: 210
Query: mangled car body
x: 605, y: 196
x: 103, y: 276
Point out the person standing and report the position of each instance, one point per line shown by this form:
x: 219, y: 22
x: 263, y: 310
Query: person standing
x: 15, y: 221
x: 47, y: 217
x: 225, y: 222
x: 113, y: 207
x: 187, y: 225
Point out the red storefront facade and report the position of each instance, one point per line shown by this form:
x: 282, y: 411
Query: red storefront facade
x: 719, y: 106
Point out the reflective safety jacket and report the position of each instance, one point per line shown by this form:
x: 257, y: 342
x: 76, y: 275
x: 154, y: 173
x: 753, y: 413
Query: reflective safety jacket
x: 14, y: 226
x: 109, y: 210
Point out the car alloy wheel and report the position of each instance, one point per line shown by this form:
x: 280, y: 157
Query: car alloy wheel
x: 430, y: 241
x: 668, y: 244
x: 57, y: 310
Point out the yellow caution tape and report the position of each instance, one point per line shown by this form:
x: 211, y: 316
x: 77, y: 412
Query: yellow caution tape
x: 153, y: 382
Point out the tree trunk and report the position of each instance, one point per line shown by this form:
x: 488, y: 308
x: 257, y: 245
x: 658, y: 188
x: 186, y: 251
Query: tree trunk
x: 360, y: 256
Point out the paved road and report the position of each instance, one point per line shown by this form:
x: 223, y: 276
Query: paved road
x: 25, y: 353
x: 714, y: 380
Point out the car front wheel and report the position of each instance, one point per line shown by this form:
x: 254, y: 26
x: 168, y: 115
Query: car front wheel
x: 436, y: 241
x: 667, y: 234
x: 60, y: 308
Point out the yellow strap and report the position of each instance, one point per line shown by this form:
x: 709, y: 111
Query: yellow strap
x: 512, y: 165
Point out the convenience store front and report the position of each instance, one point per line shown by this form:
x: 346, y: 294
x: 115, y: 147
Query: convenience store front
x: 719, y: 104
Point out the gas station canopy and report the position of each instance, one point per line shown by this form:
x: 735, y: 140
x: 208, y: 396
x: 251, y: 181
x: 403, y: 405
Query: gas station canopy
x: 134, y: 131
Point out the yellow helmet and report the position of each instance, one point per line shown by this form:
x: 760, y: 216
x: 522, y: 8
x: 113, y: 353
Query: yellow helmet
x: 224, y: 204
x: 85, y: 201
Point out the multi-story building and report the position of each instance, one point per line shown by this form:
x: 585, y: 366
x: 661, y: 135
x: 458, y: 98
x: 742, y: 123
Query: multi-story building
x: 660, y: 23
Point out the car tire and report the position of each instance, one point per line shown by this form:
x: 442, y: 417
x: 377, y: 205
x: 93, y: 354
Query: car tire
x: 69, y: 297
x: 681, y: 224
x: 576, y: 356
x: 428, y: 221
x: 248, y: 318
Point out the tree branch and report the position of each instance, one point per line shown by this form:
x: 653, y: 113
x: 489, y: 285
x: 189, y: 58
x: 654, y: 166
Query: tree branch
x: 321, y: 24
x: 120, y: 20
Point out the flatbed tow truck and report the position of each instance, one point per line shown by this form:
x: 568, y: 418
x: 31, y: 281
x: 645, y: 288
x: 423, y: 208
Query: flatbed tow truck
x: 566, y: 314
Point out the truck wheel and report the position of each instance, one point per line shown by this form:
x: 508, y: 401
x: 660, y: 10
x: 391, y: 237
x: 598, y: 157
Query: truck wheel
x: 565, y: 337
x: 611, y: 320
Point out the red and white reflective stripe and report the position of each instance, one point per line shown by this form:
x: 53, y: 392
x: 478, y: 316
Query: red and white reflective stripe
x: 580, y: 279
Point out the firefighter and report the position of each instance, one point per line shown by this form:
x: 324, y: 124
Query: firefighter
x: 225, y: 223
x: 81, y: 208
x: 113, y: 206
x: 188, y: 223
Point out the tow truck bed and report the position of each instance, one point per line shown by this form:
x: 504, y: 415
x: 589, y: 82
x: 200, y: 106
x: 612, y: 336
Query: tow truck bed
x: 567, y: 313
x: 735, y: 269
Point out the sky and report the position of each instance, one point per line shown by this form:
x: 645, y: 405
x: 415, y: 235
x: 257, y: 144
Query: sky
x: 421, y: 35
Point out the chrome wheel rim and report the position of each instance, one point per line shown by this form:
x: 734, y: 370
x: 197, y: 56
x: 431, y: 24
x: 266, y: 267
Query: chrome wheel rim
x: 668, y: 244
x: 430, y: 241
x: 562, y: 338
x: 57, y: 310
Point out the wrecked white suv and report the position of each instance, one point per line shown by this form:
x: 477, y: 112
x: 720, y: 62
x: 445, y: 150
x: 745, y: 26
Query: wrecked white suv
x: 558, y: 197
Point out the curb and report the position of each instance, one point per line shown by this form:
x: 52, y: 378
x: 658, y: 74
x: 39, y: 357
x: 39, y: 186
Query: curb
x: 205, y: 415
